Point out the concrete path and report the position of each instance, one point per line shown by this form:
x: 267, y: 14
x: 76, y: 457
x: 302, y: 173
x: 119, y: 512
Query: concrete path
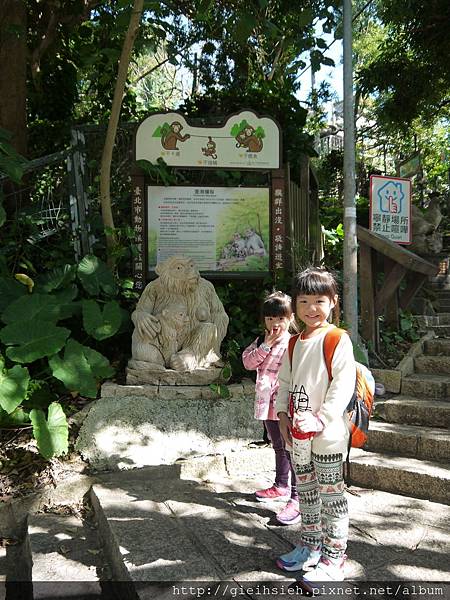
x: 165, y: 532
x: 158, y: 527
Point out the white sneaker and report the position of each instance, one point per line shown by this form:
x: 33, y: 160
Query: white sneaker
x: 327, y: 570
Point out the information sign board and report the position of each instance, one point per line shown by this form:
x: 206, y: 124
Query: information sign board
x: 222, y: 229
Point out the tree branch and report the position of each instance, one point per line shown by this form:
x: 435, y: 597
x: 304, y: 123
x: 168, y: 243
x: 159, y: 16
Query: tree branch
x: 276, y: 59
x: 105, y: 168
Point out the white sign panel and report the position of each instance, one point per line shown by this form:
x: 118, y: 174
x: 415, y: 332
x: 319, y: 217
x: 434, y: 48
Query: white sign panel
x: 390, y: 208
x: 245, y: 141
x: 220, y: 228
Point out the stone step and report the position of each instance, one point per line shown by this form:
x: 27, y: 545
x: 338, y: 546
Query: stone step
x: 401, y: 475
x: 432, y: 364
x: 422, y: 385
x: 441, y: 319
x: 441, y: 331
x: 156, y: 527
x: 409, y: 440
x: 437, y: 347
x: 440, y: 285
x: 377, y: 552
x: 442, y: 293
x: 442, y: 305
x: 414, y: 411
x: 65, y: 556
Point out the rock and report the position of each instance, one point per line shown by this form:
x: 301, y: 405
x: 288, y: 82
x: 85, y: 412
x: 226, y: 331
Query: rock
x: 136, y: 426
x: 390, y: 378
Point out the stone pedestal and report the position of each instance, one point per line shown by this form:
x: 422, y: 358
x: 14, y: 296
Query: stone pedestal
x: 139, y: 425
x: 170, y: 377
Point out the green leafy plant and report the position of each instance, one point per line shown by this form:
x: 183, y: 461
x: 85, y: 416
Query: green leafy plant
x: 245, y: 320
x: 395, y: 343
x: 47, y: 354
x: 52, y: 433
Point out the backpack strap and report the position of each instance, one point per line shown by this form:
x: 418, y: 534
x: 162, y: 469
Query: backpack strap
x: 292, y: 341
x: 330, y: 343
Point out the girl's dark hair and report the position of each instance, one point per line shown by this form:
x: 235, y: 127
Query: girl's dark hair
x: 277, y: 304
x: 316, y: 281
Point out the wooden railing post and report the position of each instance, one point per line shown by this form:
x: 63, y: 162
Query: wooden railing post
x: 398, y: 262
x: 367, y: 294
x: 391, y: 309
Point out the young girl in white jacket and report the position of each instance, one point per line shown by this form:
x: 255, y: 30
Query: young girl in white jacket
x: 312, y: 417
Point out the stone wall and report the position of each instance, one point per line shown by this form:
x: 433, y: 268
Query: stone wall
x: 133, y: 426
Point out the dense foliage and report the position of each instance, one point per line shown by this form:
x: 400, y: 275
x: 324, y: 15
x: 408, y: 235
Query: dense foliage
x: 51, y: 342
x: 407, y: 68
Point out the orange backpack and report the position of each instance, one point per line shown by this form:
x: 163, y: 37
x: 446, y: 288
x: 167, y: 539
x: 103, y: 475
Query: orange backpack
x: 359, y: 409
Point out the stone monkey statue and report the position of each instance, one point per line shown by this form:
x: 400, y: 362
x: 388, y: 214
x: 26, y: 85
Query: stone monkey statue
x: 178, y: 279
x: 174, y: 322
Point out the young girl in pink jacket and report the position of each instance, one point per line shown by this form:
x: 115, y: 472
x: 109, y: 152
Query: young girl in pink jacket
x: 265, y: 355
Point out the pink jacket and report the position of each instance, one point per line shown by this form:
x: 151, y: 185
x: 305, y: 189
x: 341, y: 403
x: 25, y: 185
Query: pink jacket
x: 267, y: 365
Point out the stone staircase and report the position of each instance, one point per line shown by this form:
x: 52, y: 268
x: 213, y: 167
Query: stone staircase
x: 408, y: 449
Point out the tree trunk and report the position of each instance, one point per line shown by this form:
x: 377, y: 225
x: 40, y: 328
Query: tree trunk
x: 105, y: 169
x: 13, y: 61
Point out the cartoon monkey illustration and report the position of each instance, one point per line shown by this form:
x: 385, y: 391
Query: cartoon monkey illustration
x: 170, y: 139
x: 210, y: 149
x: 247, y: 139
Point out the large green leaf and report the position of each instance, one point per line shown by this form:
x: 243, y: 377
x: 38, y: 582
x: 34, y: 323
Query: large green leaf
x: 98, y: 363
x: 101, y: 324
x: 10, y: 290
x: 81, y: 368
x: 95, y: 276
x: 64, y: 298
x: 360, y: 353
x: 15, y: 419
x: 41, y: 307
x: 32, y: 340
x: 13, y: 387
x: 57, y: 278
x: 52, y: 434
x: 66, y: 295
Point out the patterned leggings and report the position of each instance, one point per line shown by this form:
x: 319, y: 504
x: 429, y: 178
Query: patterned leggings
x: 323, y: 506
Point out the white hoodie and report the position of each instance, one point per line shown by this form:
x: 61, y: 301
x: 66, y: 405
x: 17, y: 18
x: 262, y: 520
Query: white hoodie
x: 309, y: 376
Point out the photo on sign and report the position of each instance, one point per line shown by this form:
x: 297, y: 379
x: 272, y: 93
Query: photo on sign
x: 242, y: 238
x: 221, y: 229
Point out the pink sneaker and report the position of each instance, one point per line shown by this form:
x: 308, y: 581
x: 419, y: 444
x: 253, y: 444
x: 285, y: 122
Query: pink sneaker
x: 290, y: 513
x: 273, y: 493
